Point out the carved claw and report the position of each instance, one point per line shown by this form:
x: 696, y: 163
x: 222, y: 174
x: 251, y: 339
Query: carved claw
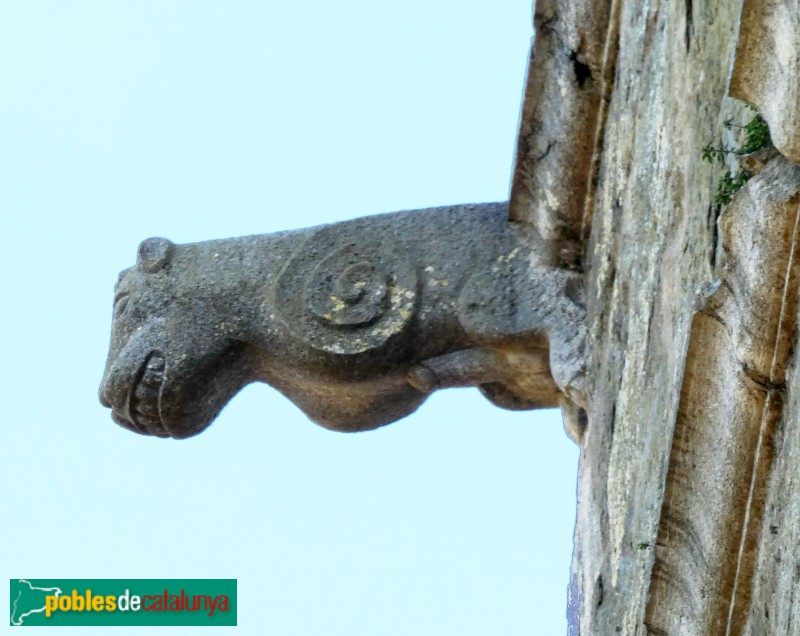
x: 468, y: 367
x: 423, y: 379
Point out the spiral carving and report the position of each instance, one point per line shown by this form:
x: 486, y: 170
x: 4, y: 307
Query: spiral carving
x: 356, y: 297
x: 346, y: 299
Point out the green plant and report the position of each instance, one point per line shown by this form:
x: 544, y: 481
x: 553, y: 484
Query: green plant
x: 730, y: 184
x: 756, y: 137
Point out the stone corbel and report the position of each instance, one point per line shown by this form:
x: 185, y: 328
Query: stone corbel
x: 355, y: 322
x: 358, y: 322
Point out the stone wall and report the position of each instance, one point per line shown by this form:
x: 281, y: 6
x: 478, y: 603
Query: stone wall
x: 687, y: 520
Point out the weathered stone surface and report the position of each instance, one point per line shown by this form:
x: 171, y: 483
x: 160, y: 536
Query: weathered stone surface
x: 685, y: 472
x: 731, y: 404
x: 570, y: 73
x: 776, y: 551
x: 766, y: 72
x: 355, y: 322
x: 652, y: 245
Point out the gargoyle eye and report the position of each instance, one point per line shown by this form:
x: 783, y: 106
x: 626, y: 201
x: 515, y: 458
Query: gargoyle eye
x: 120, y: 304
x: 153, y: 254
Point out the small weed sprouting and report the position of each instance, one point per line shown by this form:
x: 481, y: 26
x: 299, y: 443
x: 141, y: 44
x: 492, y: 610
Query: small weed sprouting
x: 756, y: 137
x: 714, y: 155
x: 730, y: 184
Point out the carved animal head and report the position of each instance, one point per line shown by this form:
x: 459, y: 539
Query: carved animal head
x: 173, y: 362
x: 356, y: 323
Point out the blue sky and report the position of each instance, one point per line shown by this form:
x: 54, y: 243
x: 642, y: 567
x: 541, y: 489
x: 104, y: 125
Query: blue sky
x: 200, y: 120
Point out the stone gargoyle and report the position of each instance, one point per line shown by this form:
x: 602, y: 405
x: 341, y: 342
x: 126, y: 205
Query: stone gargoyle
x: 355, y: 322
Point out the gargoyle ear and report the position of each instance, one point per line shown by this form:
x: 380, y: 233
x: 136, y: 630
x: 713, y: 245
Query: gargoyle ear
x: 153, y: 254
